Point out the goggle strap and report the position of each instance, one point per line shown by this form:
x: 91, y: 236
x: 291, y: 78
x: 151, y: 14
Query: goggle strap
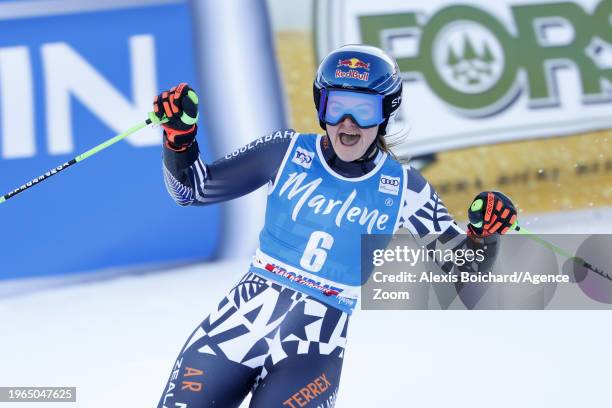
x: 322, y: 103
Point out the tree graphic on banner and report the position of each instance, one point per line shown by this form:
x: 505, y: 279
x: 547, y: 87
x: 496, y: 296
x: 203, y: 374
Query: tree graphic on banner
x: 470, y: 66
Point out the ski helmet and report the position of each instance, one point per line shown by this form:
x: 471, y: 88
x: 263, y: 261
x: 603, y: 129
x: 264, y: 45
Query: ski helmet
x: 361, y: 68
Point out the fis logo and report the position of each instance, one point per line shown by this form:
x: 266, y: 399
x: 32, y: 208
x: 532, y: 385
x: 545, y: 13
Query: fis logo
x: 388, y: 184
x: 303, y: 157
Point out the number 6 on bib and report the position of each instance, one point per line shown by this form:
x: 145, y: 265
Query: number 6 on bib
x: 316, y: 251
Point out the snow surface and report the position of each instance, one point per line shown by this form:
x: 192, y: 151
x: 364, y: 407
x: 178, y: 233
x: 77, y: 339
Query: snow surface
x: 116, y: 340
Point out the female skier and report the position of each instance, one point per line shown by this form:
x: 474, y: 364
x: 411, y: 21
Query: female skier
x: 281, y: 331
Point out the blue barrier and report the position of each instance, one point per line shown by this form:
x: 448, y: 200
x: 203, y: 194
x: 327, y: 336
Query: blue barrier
x: 69, y: 80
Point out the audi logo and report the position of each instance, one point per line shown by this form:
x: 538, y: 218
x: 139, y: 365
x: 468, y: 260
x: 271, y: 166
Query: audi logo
x: 391, y: 182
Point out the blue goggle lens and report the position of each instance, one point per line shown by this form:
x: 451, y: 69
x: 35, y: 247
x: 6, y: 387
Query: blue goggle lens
x: 366, y: 109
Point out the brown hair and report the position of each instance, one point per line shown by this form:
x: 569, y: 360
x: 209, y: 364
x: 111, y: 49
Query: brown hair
x: 382, y: 144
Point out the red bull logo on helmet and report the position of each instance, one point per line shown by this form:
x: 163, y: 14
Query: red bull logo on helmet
x: 353, y: 64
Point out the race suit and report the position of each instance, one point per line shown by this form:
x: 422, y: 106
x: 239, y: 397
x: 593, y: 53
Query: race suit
x: 281, y: 330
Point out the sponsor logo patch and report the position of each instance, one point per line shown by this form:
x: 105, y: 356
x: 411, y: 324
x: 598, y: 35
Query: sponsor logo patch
x: 325, y: 289
x: 303, y: 157
x: 354, y: 65
x: 311, y: 392
x: 389, y: 185
x: 352, y: 73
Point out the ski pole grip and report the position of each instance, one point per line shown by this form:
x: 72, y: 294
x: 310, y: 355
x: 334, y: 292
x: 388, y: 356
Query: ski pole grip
x: 185, y: 118
x: 193, y: 98
x: 475, y: 215
x: 156, y: 120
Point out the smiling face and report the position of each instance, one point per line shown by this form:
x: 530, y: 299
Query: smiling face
x: 350, y: 142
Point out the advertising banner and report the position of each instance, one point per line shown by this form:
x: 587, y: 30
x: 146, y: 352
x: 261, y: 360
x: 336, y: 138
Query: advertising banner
x: 73, y: 74
x: 482, y: 72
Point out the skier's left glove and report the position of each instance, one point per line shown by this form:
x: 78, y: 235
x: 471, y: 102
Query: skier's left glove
x: 179, y: 106
x: 491, y: 212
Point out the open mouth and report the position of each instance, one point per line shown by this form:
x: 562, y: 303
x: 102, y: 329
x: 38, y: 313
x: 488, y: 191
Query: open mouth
x: 348, y: 139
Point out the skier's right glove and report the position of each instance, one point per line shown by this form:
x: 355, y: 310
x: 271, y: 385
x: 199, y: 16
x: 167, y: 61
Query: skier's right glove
x: 179, y: 106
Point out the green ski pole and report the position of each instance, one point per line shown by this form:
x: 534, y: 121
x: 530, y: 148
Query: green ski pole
x: 151, y: 119
x: 478, y: 204
x: 560, y: 251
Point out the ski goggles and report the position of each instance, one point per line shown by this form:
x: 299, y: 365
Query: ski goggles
x: 365, y: 109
